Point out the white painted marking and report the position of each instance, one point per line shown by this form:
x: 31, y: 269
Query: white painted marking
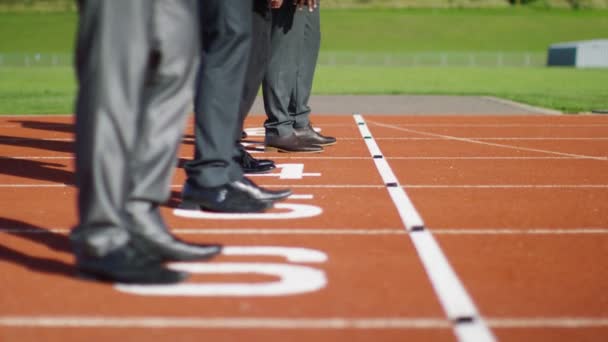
x: 293, y: 211
x: 408, y: 212
x: 501, y: 125
x: 350, y: 158
x: 35, y: 139
x: 508, y: 186
x: 478, y: 142
x: 292, y: 254
x: 329, y: 323
x: 39, y: 157
x: 288, y: 171
x: 317, y: 231
x: 494, y: 138
x: 255, y: 131
x: 292, y: 279
x: 301, y: 197
x: 451, y: 293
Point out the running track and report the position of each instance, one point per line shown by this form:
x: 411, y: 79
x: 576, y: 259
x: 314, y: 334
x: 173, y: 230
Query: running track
x: 411, y: 228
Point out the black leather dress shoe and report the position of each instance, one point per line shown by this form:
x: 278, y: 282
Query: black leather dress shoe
x: 260, y: 193
x: 149, y: 230
x: 249, y: 164
x: 170, y: 248
x: 314, y: 137
x: 127, y: 264
x: 227, y: 198
x: 291, y: 144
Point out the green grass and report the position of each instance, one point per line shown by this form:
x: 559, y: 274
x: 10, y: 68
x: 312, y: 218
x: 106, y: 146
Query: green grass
x: 37, y: 90
x: 401, y: 30
x: 51, y: 89
x: 569, y: 90
x: 369, y: 30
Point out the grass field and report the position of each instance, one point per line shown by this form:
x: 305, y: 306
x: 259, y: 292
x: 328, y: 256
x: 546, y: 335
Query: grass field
x: 51, y: 89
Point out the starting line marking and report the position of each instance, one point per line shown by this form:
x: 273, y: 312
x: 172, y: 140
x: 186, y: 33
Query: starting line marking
x: 370, y: 186
x: 317, y: 231
x: 328, y: 323
x: 459, y: 307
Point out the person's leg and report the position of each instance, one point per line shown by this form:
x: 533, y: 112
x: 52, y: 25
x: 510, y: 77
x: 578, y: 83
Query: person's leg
x: 256, y: 68
x: 111, y: 72
x: 281, y: 80
x: 226, y: 27
x: 300, y: 109
x: 310, y: 43
x: 258, y: 58
x: 112, y: 49
x: 215, y: 181
x: 167, y: 96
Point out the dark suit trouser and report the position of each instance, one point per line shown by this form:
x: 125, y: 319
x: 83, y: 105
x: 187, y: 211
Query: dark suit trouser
x: 295, y: 43
x: 225, y: 54
x: 135, y: 62
x: 258, y: 58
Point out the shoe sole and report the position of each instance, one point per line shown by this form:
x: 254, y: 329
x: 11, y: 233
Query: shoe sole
x: 192, y: 205
x: 328, y: 144
x: 276, y: 149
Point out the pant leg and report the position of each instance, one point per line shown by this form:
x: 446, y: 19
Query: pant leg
x: 278, y: 86
x: 111, y: 56
x: 311, y: 43
x: 296, y: 39
x: 226, y: 28
x: 258, y: 58
x: 167, y: 97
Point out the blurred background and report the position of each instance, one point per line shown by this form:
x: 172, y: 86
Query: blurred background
x: 444, y: 47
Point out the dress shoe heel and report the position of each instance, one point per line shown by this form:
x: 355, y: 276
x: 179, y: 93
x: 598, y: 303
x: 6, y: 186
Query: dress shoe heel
x: 290, y: 144
x: 189, y: 205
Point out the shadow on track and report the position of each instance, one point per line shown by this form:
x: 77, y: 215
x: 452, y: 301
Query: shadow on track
x: 26, y: 231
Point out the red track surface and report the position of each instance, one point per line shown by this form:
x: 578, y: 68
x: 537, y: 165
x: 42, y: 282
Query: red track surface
x: 518, y: 206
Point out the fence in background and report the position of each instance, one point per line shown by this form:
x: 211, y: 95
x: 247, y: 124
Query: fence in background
x: 436, y: 59
x: 431, y: 59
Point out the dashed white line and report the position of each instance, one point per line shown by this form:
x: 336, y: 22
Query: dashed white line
x: 459, y: 307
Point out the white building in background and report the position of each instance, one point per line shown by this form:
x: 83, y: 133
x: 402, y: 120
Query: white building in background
x: 582, y: 54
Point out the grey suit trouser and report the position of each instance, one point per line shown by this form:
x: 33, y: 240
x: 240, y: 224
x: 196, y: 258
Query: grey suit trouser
x: 136, y: 61
x: 295, y: 43
x: 226, y: 43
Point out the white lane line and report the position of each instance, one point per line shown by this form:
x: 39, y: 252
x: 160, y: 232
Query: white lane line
x: 70, y: 157
x: 328, y: 323
x: 507, y: 186
x: 478, y: 142
x: 344, y: 232
x: 369, y: 186
x: 459, y: 307
x: 536, y: 231
x: 39, y: 157
x: 35, y: 139
x: 223, y: 322
x: 493, y: 138
x: 523, y: 125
